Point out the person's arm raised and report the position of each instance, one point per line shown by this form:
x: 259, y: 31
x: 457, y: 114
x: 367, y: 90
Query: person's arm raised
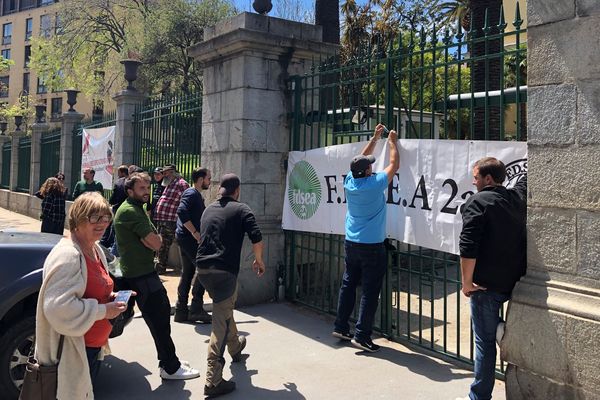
x: 394, y: 164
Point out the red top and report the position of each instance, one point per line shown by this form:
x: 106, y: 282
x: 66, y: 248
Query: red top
x: 99, y: 287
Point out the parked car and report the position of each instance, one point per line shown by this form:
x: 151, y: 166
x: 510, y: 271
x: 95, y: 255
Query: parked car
x: 22, y: 256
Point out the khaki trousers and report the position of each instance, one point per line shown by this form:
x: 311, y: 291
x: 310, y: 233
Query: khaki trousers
x: 224, y: 333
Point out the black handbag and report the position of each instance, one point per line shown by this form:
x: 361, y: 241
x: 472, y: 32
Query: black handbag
x: 40, y: 381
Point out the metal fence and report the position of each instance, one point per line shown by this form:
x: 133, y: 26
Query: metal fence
x: 24, y: 167
x: 6, y: 157
x: 109, y: 119
x: 50, y: 154
x: 167, y: 130
x: 469, y: 85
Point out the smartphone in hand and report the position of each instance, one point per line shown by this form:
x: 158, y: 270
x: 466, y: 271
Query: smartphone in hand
x: 123, y: 296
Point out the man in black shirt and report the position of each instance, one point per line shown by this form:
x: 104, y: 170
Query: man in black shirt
x: 222, y: 230
x: 187, y: 233
x: 492, y: 259
x: 118, y: 196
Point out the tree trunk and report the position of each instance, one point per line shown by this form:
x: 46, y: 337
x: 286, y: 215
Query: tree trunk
x: 492, y: 73
x: 327, y: 15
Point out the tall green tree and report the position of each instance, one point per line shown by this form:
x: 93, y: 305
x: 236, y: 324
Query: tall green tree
x: 170, y: 28
x: 94, y: 35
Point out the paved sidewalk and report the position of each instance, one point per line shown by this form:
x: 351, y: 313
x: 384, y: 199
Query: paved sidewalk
x: 291, y: 356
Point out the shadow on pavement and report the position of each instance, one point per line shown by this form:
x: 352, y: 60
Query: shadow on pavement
x: 121, y: 379
x: 243, y: 380
x: 309, y: 324
x: 418, y: 364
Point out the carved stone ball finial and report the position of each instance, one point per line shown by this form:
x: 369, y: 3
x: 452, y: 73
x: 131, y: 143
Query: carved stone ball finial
x: 262, y: 6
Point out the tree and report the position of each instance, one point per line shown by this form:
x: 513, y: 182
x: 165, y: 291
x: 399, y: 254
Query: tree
x: 294, y: 10
x: 172, y: 27
x: 327, y: 15
x: 455, y: 10
x: 96, y: 34
x: 84, y: 52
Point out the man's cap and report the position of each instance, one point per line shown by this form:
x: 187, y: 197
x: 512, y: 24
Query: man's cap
x: 158, y: 170
x: 359, y: 165
x: 229, y: 183
x: 169, y: 167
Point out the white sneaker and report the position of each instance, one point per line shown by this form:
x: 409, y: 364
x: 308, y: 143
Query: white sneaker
x: 184, y: 372
x: 500, y: 332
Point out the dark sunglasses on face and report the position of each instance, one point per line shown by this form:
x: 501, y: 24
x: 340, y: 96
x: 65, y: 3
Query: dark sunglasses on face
x: 94, y: 219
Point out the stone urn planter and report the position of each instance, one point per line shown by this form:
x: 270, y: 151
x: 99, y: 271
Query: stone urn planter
x: 262, y: 6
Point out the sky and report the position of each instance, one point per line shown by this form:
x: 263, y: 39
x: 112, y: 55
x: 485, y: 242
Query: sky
x: 246, y: 5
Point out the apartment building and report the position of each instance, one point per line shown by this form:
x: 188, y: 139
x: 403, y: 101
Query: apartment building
x: 20, y: 21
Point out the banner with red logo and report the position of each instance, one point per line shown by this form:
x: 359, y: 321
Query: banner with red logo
x: 97, y: 153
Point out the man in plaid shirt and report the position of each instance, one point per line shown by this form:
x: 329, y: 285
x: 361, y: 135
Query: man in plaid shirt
x: 166, y: 212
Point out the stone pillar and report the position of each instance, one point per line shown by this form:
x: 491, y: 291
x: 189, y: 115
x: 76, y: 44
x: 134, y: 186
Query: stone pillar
x: 246, y: 60
x: 552, y: 340
x: 70, y: 120
x: 126, y: 100
x: 37, y: 130
x: 14, y: 159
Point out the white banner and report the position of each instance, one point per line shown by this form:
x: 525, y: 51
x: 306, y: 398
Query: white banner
x: 423, y: 201
x: 97, y: 152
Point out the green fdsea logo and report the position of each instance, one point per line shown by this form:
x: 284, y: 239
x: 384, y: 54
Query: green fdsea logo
x: 304, y: 191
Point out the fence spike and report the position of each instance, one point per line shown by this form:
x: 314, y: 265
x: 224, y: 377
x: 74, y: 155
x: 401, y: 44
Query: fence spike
x: 518, y: 21
x: 502, y: 22
x: 447, y: 39
x: 486, y: 23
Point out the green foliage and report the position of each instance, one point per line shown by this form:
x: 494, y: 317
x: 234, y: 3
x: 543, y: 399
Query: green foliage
x: 170, y: 28
x: 96, y: 34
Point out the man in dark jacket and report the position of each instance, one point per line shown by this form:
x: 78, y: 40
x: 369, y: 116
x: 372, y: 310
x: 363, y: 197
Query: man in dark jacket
x: 118, y: 196
x: 492, y: 259
x: 222, y: 230
x: 187, y: 233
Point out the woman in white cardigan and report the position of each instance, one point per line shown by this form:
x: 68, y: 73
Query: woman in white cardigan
x: 75, y: 300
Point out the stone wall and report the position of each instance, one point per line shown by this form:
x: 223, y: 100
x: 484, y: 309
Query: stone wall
x: 552, y: 339
x: 246, y: 100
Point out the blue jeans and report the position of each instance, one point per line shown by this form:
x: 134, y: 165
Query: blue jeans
x: 188, y: 248
x: 485, y: 316
x: 93, y: 362
x: 366, y: 265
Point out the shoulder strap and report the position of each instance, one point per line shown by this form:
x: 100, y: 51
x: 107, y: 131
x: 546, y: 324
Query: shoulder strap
x: 60, y: 346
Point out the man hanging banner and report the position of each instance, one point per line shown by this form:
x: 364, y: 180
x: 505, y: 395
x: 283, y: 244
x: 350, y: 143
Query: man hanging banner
x: 423, y: 201
x: 97, y: 153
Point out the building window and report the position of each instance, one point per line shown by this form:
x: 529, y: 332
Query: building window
x: 26, y: 83
x: 27, y: 56
x: 28, y: 28
x: 10, y: 6
x: 6, y: 54
x: 25, y: 4
x: 45, y: 25
x: 4, y: 86
x: 41, y: 86
x: 58, y: 27
x: 56, y: 107
x: 7, y: 33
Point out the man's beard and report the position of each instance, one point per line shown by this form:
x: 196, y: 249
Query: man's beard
x: 142, y: 199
